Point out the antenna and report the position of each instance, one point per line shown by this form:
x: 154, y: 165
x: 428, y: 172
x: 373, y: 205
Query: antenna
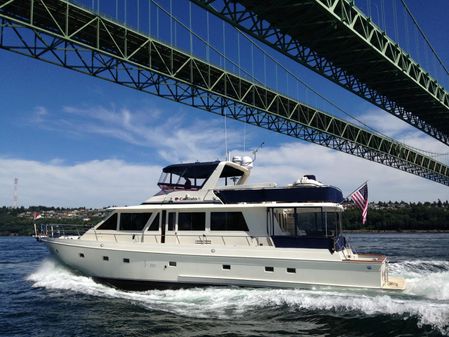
x: 226, y: 137
x: 16, y: 193
x: 244, y: 137
x: 257, y: 150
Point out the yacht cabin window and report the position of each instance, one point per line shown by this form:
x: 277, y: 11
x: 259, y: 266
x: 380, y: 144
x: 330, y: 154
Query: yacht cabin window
x: 332, y: 223
x: 155, y: 224
x: 110, y: 223
x: 227, y: 221
x: 311, y: 222
x: 194, y: 221
x: 133, y: 221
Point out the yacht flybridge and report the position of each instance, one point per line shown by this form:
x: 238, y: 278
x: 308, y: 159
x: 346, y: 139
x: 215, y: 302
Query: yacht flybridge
x: 207, y: 226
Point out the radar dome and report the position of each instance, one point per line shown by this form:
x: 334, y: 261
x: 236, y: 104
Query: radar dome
x: 237, y: 160
x: 247, y: 161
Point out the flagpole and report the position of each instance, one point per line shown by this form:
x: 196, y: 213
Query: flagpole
x: 36, y: 216
x: 366, y: 181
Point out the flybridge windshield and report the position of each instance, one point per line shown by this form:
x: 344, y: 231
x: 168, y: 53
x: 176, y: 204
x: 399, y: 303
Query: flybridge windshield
x: 192, y: 176
x: 174, y: 181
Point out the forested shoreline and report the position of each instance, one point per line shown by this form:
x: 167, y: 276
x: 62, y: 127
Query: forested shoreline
x: 382, y: 216
x: 399, y: 216
x: 19, y: 221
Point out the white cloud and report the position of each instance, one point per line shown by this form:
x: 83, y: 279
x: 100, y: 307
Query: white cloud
x: 385, y: 123
x: 290, y: 161
x: 173, y: 138
x: 397, y: 129
x: 39, y: 114
x: 91, y: 184
x: 100, y: 183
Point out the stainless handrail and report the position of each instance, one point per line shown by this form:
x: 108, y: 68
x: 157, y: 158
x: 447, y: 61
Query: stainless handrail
x: 61, y: 230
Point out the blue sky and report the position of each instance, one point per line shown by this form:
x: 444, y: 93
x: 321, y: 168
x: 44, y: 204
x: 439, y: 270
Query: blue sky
x: 74, y: 140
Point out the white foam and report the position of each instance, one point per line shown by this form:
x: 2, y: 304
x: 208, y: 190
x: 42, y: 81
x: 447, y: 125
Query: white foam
x: 234, y: 302
x: 426, y: 278
x: 51, y: 275
x: 419, y: 267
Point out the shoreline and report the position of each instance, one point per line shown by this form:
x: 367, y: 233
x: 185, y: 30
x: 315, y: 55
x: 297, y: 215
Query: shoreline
x: 353, y: 231
x: 393, y: 231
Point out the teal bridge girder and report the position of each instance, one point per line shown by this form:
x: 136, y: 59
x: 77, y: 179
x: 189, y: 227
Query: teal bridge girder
x: 67, y: 35
x: 336, y: 40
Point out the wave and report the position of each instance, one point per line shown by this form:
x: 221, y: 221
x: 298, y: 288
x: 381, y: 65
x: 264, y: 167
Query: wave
x: 419, y: 267
x: 426, y: 278
x: 419, y: 300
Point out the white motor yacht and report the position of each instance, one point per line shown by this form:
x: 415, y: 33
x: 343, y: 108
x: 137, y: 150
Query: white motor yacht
x: 208, y: 227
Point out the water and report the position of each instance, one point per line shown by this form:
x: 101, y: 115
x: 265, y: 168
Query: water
x: 38, y: 297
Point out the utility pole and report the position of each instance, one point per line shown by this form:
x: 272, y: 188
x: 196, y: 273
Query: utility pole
x: 16, y: 193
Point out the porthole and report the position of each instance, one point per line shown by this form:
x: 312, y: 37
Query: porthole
x: 227, y: 267
x: 291, y: 270
x: 125, y: 260
x: 270, y: 269
x: 105, y: 258
x: 81, y: 255
x: 172, y: 264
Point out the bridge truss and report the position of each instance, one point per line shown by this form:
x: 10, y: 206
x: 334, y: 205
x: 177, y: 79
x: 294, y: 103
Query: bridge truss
x: 67, y: 35
x: 336, y: 40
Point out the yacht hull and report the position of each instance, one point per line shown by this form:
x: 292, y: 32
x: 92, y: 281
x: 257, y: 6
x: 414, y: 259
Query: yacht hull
x: 165, y: 266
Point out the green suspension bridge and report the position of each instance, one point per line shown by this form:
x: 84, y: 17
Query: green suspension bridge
x: 331, y: 37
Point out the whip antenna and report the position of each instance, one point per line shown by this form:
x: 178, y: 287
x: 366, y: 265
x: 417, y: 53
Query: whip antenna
x: 257, y: 150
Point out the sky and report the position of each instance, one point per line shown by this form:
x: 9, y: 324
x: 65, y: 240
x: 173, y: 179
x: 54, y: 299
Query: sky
x: 73, y: 140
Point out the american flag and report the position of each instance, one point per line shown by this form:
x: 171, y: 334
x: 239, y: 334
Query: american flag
x: 360, y: 197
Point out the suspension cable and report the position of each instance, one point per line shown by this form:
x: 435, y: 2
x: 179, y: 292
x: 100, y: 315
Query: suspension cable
x: 199, y: 37
x: 424, y: 36
x: 278, y: 64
